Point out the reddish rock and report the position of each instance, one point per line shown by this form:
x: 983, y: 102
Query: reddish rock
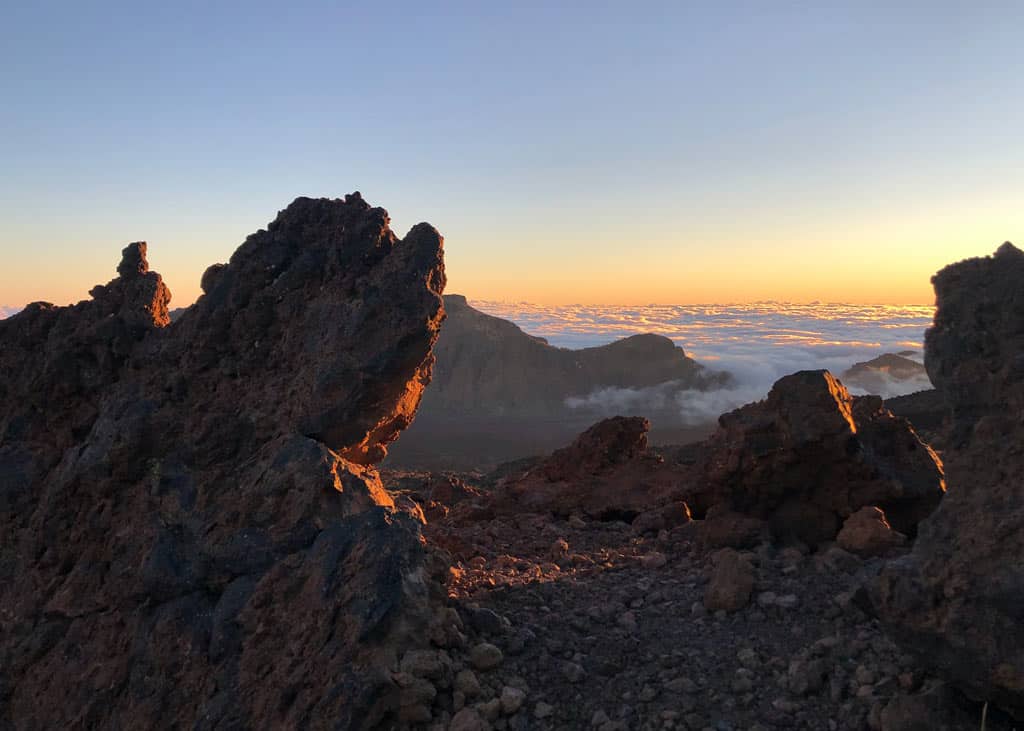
x: 956, y: 600
x: 606, y: 472
x: 810, y: 455
x: 191, y: 531
x: 600, y: 448
x: 868, y: 533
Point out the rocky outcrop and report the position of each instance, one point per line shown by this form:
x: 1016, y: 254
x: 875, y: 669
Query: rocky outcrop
x: 600, y: 448
x: 956, y: 600
x: 500, y: 394
x: 928, y: 413
x: 868, y: 533
x: 606, y: 472
x: 192, y: 533
x: 810, y: 455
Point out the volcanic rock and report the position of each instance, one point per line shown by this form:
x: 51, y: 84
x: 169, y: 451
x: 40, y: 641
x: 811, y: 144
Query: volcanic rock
x: 956, y: 600
x: 191, y: 530
x: 730, y: 582
x: 927, y: 411
x: 868, y: 533
x: 605, y: 472
x: 810, y: 455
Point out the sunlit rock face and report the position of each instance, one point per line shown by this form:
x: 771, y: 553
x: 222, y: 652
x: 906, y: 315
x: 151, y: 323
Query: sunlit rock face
x: 810, y: 455
x: 957, y: 600
x: 192, y: 534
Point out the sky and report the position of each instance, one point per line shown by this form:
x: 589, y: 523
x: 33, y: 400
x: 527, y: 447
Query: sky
x: 605, y: 153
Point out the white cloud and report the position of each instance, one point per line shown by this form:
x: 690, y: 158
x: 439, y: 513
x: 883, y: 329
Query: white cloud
x: 758, y: 343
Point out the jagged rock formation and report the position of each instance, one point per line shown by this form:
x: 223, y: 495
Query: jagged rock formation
x: 606, y: 472
x: 191, y: 530
x: 810, y: 455
x: 956, y: 601
x: 500, y: 394
x: 889, y: 374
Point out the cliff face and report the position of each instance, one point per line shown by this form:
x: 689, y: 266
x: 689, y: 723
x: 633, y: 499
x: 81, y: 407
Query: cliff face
x: 500, y: 393
x: 956, y: 600
x: 191, y: 530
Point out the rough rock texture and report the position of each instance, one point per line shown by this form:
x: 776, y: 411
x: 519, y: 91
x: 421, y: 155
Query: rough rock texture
x: 500, y: 394
x: 606, y: 471
x: 956, y: 601
x: 927, y: 411
x: 191, y: 531
x: 730, y: 582
x: 602, y: 447
x: 810, y: 455
x: 868, y: 533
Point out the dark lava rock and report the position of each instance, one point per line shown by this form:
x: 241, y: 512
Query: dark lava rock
x: 810, y: 455
x: 191, y: 530
x: 957, y: 600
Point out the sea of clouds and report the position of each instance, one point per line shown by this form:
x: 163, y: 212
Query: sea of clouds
x: 7, y: 311
x: 758, y: 343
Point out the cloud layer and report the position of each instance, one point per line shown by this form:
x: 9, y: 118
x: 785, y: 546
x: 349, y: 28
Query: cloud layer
x: 758, y: 343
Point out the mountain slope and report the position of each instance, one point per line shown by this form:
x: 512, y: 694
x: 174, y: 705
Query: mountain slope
x: 499, y: 393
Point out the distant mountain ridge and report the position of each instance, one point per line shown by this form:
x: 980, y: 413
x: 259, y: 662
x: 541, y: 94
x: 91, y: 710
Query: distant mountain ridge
x: 487, y: 365
x: 890, y: 374
x: 496, y: 383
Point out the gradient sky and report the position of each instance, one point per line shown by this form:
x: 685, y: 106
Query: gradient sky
x: 603, y: 153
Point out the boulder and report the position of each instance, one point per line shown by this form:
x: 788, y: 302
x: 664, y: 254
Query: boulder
x: 956, y: 600
x: 725, y: 528
x: 606, y: 473
x: 602, y: 447
x: 868, y: 533
x: 730, y: 582
x: 810, y: 455
x: 192, y: 533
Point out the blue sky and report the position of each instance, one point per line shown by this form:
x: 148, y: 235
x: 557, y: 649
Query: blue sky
x: 608, y: 153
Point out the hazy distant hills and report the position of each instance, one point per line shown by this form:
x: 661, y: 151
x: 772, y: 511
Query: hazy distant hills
x: 890, y: 374
x: 502, y: 393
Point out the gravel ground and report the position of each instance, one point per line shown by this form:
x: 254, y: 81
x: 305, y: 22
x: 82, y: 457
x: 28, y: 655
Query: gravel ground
x: 590, y: 625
